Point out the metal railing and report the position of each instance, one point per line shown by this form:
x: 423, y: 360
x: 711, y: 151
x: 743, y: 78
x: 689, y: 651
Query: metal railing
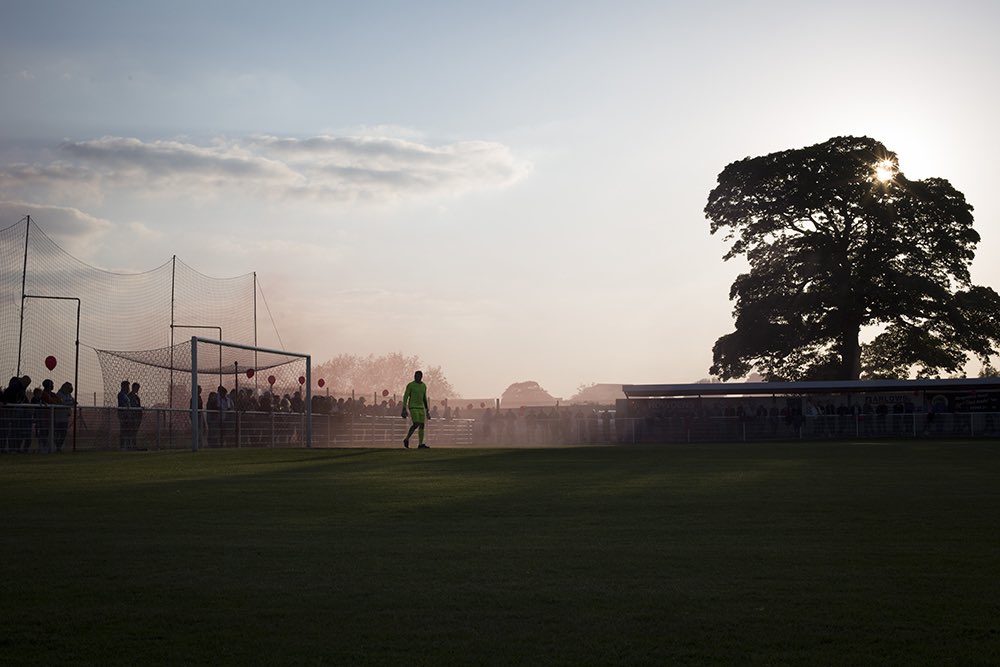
x: 568, y: 429
x: 820, y: 427
x: 42, y: 428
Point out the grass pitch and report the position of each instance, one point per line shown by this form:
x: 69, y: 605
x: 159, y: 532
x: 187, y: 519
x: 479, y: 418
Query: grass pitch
x: 846, y: 553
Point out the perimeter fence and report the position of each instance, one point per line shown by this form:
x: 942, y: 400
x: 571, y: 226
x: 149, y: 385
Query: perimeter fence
x: 42, y: 428
x: 820, y: 427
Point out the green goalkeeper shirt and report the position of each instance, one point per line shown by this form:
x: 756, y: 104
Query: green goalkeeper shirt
x: 415, y: 395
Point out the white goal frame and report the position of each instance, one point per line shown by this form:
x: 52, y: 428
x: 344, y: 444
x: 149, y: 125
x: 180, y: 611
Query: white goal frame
x: 196, y: 422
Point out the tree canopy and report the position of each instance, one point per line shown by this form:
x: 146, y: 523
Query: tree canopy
x: 840, y: 243
x: 525, y: 394
x: 600, y: 394
x: 373, y: 375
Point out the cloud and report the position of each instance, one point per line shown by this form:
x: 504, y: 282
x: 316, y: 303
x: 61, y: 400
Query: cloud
x: 56, y: 182
x: 376, y: 169
x: 173, y: 164
x: 274, y: 249
x: 383, y: 130
x: 144, y: 232
x: 77, y: 232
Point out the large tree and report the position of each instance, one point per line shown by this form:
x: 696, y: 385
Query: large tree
x: 839, y: 242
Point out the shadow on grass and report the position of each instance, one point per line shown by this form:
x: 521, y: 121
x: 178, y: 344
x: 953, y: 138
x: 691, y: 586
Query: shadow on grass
x: 825, y: 553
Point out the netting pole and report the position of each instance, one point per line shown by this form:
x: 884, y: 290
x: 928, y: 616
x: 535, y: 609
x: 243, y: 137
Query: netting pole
x: 195, y: 425
x: 76, y: 374
x: 24, y: 278
x: 255, y: 364
x: 170, y: 387
x: 236, y: 398
x: 309, y: 420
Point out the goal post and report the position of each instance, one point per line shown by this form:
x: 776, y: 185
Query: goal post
x: 255, y: 359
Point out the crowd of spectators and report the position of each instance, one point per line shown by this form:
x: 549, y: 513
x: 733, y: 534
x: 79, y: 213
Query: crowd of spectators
x: 37, y: 419
x: 247, y: 400
x: 249, y: 418
x: 562, y: 425
x: 805, y: 417
x: 329, y: 405
x: 34, y: 419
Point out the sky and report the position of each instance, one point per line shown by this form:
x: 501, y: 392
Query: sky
x: 510, y: 191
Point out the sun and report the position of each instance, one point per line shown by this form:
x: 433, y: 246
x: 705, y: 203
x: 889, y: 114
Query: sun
x: 885, y: 171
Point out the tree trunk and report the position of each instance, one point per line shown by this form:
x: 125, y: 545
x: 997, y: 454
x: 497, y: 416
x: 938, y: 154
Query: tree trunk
x: 850, y: 351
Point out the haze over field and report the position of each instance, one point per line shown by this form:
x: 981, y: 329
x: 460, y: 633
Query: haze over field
x: 510, y: 192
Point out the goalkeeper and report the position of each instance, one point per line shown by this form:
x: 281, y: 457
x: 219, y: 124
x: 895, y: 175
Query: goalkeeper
x: 415, y: 398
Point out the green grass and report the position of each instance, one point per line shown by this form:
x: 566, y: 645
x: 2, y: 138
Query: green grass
x: 715, y: 554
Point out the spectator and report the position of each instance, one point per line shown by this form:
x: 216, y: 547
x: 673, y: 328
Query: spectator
x: 124, y: 405
x: 44, y: 417
x: 10, y: 399
x: 135, y: 416
x: 487, y: 424
x: 199, y: 403
x: 32, y: 418
x: 24, y: 417
x: 212, y: 417
x: 63, y: 410
x: 223, y: 414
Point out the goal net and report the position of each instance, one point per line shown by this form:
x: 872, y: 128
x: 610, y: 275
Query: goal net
x: 228, y: 394
x: 298, y: 409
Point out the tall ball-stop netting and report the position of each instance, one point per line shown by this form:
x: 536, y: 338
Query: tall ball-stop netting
x: 146, y: 318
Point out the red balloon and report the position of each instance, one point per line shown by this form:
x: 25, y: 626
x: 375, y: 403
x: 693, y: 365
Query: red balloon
x: 50, y: 362
x: 385, y: 392
x: 321, y: 382
x: 249, y: 372
x: 302, y: 380
x: 271, y: 379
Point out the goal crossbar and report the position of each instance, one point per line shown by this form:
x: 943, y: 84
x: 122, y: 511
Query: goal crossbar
x: 195, y: 421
